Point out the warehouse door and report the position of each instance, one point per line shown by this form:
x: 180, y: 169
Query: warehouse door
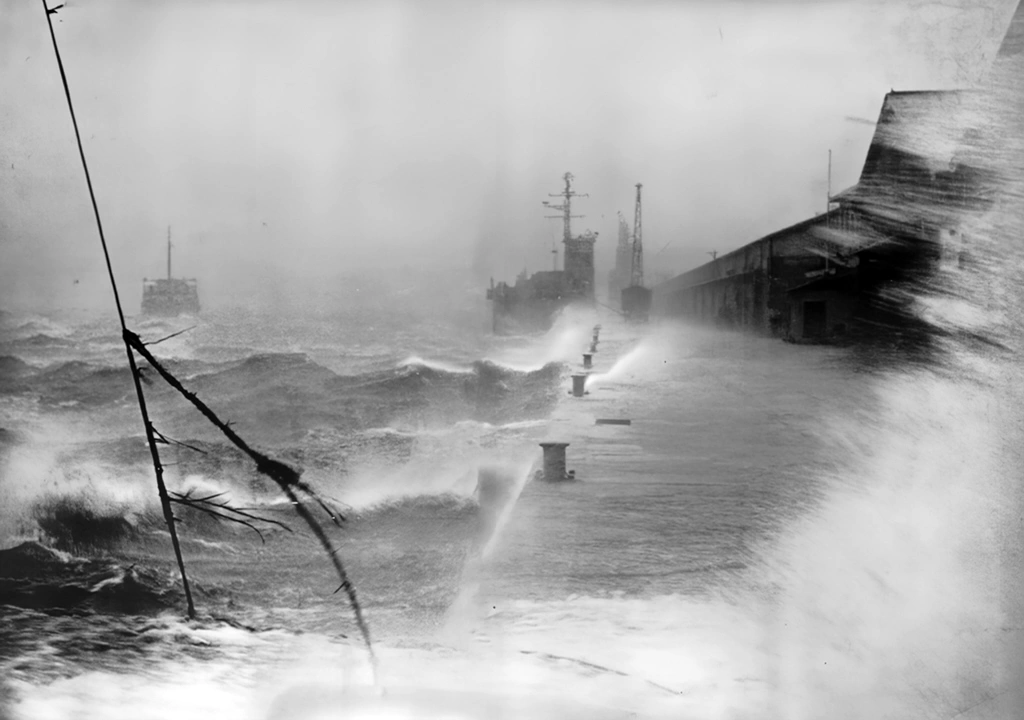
x: 814, y: 319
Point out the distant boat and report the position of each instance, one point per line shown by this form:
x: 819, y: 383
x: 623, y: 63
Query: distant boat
x: 170, y: 296
x: 533, y: 302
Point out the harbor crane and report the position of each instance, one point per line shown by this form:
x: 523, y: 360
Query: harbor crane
x: 636, y: 299
x: 636, y: 278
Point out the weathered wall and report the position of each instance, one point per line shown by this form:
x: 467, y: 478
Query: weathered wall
x: 839, y: 311
x: 746, y: 288
x: 733, y: 301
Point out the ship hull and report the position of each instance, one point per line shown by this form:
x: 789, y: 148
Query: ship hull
x: 168, y: 298
x: 525, y: 317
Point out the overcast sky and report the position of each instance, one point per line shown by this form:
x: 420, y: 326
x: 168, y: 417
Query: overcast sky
x: 309, y: 139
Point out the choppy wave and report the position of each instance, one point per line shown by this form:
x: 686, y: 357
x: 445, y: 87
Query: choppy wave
x: 290, y: 391
x: 24, y: 327
x: 44, y: 340
x: 37, y: 577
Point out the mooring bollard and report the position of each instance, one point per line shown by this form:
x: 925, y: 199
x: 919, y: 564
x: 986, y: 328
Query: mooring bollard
x: 579, y: 383
x: 586, y: 360
x: 554, y: 461
x: 593, y: 347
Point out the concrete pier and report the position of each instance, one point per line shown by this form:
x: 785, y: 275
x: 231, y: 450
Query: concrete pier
x: 554, y: 462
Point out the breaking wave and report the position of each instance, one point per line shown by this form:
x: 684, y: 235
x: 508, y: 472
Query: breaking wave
x: 271, y: 387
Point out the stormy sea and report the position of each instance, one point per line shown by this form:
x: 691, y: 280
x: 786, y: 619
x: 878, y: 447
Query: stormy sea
x: 765, y: 530
x: 781, y: 531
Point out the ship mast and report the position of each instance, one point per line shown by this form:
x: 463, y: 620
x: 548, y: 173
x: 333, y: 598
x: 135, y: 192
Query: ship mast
x: 565, y: 207
x: 637, y: 277
x: 168, y: 252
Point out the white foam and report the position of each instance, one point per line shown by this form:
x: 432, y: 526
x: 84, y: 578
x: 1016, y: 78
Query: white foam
x: 436, y: 365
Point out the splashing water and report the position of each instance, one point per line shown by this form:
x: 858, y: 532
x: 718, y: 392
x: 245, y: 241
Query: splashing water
x: 622, y: 367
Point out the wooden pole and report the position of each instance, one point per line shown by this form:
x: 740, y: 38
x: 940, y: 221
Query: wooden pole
x: 165, y: 501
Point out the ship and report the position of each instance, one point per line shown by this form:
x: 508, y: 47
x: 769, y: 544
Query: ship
x: 534, y: 301
x: 170, y: 296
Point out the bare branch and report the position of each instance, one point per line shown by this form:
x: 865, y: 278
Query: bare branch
x: 171, y: 441
x: 156, y: 342
x: 226, y: 511
x: 286, y: 477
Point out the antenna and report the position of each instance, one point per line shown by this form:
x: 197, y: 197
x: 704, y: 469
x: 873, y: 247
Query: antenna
x: 637, y: 277
x: 565, y: 207
x: 168, y: 252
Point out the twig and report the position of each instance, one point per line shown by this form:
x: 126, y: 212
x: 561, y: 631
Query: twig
x: 214, y: 513
x: 204, y: 505
x: 208, y: 498
x: 157, y: 342
x: 244, y: 512
x: 171, y: 441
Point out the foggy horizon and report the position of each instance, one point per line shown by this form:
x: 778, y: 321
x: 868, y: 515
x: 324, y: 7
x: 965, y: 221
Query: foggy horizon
x: 309, y: 142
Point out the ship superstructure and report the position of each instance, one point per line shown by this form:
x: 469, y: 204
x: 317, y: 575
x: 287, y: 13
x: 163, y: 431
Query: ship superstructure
x: 619, y: 276
x: 170, y: 296
x: 533, y: 302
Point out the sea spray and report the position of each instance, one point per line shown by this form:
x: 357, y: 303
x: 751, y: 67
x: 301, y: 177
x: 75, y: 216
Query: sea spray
x: 497, y: 489
x: 900, y: 593
x: 889, y: 589
x: 620, y: 369
x: 562, y: 344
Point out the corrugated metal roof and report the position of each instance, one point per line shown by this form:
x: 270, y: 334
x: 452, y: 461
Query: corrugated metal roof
x: 917, y: 132
x: 922, y: 159
x: 923, y: 135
